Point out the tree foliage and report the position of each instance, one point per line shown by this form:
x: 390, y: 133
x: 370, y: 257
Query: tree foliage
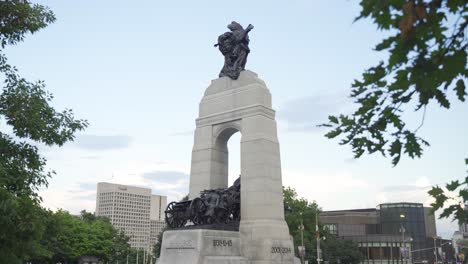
x: 303, y: 212
x: 337, y: 250
x: 452, y: 205
x: 26, y: 119
x: 25, y: 107
x: 156, y: 251
x: 427, y: 47
x: 67, y: 238
x: 21, y: 227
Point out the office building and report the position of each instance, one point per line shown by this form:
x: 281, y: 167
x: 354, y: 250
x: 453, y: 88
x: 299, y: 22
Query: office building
x: 390, y: 233
x: 133, y: 210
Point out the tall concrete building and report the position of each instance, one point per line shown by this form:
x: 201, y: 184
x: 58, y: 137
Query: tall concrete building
x: 133, y: 210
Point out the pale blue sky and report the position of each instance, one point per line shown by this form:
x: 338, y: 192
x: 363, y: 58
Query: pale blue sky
x: 136, y: 70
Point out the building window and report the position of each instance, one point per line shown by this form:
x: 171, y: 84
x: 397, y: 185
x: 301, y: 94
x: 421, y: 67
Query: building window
x: 332, y: 229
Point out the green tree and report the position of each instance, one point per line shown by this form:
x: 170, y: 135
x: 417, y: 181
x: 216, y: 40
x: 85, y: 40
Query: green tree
x: 427, y: 47
x: 337, y: 250
x: 27, y: 118
x: 303, y: 211
x: 157, y: 246
x: 67, y: 238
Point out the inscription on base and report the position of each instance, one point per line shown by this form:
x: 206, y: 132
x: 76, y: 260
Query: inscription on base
x: 280, y: 250
x: 184, y: 244
x: 222, y: 243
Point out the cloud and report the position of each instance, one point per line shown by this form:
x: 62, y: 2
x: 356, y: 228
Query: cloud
x: 87, y: 186
x: 165, y: 176
x: 173, y: 184
x: 83, y: 187
x: 101, y: 142
x: 183, y: 133
x: 404, y: 188
x: 90, y: 157
x: 306, y: 113
x: 416, y: 193
x: 81, y: 196
x: 88, y: 197
x: 331, y: 191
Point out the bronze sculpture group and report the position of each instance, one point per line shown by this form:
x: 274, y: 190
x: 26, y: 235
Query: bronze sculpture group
x: 216, y: 206
x: 234, y: 45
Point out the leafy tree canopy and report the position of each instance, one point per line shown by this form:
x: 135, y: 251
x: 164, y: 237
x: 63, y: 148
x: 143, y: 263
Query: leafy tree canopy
x: 25, y: 107
x: 26, y: 118
x: 427, y: 47
x: 67, y: 238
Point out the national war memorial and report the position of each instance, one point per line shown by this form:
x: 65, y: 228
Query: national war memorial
x: 243, y: 223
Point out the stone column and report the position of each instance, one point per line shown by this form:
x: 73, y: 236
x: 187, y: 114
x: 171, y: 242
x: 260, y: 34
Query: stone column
x: 264, y: 233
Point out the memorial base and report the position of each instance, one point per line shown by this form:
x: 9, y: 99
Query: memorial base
x: 203, y: 246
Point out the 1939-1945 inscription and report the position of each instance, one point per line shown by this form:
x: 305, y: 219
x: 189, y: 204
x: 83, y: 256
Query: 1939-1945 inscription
x: 222, y: 243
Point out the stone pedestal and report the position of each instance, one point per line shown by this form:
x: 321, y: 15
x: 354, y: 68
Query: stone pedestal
x: 244, y: 105
x: 201, y: 247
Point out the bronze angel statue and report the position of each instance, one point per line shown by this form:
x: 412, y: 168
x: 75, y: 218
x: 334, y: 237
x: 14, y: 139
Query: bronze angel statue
x: 234, y: 45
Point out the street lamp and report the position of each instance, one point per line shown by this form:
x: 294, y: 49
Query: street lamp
x: 402, y: 230
x: 435, y: 249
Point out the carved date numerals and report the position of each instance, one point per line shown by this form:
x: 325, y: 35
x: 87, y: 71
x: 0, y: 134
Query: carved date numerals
x: 280, y: 250
x: 222, y: 243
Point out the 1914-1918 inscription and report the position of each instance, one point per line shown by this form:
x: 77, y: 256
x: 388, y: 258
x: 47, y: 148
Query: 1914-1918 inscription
x: 281, y: 250
x: 222, y: 243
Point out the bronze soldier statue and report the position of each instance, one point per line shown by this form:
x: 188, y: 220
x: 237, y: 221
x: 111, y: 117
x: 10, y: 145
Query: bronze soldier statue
x: 234, y: 45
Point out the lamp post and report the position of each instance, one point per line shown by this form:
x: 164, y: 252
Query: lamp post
x: 301, y: 228
x: 403, y: 244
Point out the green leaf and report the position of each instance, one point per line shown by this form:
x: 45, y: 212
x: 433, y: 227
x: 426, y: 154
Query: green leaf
x: 442, y: 99
x: 435, y: 191
x: 460, y: 89
x: 395, y: 151
x: 333, y: 133
x: 464, y: 194
x: 333, y: 119
x: 448, y: 211
x: 385, y: 44
x: 453, y: 185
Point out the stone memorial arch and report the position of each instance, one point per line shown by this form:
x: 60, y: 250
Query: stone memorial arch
x: 243, y: 105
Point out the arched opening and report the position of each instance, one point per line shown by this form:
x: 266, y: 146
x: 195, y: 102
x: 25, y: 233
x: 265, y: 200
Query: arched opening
x: 228, y: 145
x: 234, y: 158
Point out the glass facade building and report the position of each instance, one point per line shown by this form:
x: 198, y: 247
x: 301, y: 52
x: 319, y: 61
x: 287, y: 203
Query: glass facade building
x: 408, y: 220
x: 396, y: 233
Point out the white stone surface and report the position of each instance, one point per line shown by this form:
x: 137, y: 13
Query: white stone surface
x: 201, y: 247
x: 244, y: 105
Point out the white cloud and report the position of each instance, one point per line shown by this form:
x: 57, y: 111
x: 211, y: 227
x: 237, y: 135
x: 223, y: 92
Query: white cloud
x: 102, y: 142
x: 330, y: 191
x: 306, y: 113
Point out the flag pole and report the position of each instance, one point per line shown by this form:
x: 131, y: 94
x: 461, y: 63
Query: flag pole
x: 317, y: 235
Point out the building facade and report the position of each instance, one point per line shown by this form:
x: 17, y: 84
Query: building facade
x: 133, y: 210
x: 390, y: 233
x: 460, y: 241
